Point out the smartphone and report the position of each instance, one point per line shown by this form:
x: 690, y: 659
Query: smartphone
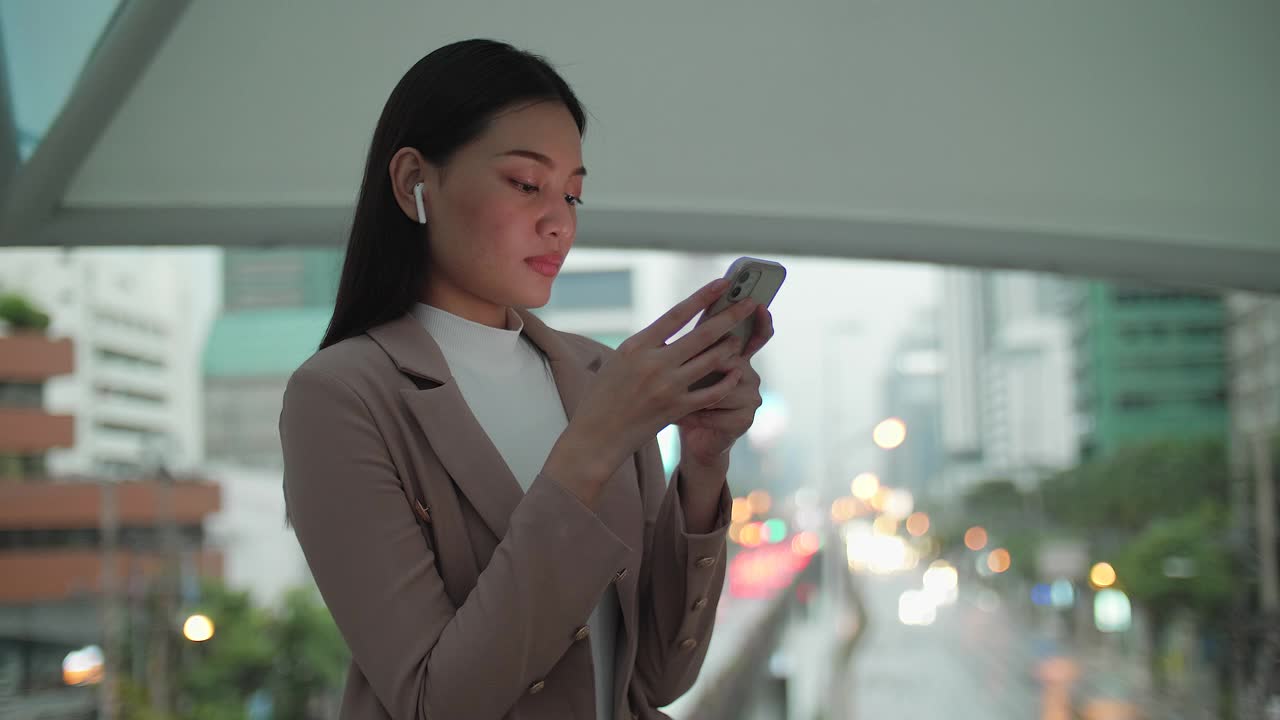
x: 748, y: 278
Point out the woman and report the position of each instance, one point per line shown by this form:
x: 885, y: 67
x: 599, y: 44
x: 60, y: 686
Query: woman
x: 479, y: 497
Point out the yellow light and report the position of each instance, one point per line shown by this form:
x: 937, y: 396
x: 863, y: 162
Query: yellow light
x: 735, y: 532
x: 881, y: 498
x: 759, y: 501
x: 1102, y: 575
x: 751, y: 534
x: 999, y: 561
x: 843, y: 509
x: 806, y: 543
x: 885, y: 525
x: 975, y: 538
x: 741, y: 510
x: 918, y: 524
x: 83, y: 667
x: 198, y: 628
x: 890, y: 433
x: 865, y: 486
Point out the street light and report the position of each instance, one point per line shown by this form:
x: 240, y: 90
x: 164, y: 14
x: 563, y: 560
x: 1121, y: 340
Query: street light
x: 865, y: 486
x: 889, y: 433
x: 83, y: 666
x: 1102, y: 575
x: 198, y: 628
x: 975, y: 538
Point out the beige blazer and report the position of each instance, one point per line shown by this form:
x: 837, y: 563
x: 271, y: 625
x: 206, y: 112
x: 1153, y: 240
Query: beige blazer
x: 483, y: 616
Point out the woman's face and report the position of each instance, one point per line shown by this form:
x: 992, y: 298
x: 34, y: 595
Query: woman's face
x: 501, y: 215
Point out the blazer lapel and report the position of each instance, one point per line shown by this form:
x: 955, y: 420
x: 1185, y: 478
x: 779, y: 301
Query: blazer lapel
x: 449, y: 427
x: 455, y: 436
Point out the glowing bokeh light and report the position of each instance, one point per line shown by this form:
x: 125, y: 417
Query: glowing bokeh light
x: 865, y: 486
x: 890, y: 433
x: 885, y: 525
x: 899, y: 503
x: 881, y: 498
x: 806, y: 543
x: 915, y: 607
x: 918, y: 524
x: 759, y: 501
x: 776, y: 529
x: 975, y: 538
x: 1102, y: 575
x: 735, y: 532
x: 999, y: 561
x: 844, y: 509
x: 198, y: 628
x: 83, y: 666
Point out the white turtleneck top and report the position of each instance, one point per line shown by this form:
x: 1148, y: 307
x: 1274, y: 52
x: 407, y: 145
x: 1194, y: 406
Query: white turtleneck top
x: 508, y: 385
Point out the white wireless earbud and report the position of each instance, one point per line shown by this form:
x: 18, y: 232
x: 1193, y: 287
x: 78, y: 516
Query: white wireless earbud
x: 417, y: 198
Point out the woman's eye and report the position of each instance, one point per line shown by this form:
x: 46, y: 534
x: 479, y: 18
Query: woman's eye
x: 524, y: 187
x: 572, y: 199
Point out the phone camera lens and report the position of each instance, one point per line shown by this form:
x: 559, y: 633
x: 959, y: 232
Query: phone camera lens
x: 735, y: 292
x: 742, y: 276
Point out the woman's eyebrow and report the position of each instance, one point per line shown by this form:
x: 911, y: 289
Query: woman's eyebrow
x: 534, y: 155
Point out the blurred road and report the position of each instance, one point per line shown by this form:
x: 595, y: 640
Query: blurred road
x: 973, y: 662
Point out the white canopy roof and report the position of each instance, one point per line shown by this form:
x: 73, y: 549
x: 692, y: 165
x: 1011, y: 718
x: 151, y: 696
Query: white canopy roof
x: 1129, y: 140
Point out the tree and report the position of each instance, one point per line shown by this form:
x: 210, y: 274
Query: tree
x: 294, y: 655
x: 221, y: 673
x: 1180, y: 562
x: 311, y: 655
x: 1128, y: 490
x: 21, y: 314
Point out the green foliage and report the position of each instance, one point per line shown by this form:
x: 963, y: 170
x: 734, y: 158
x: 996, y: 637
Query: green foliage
x: 1126, y: 491
x: 226, y: 669
x: 1023, y: 546
x: 21, y: 314
x: 294, y: 653
x: 993, y: 495
x: 311, y: 656
x: 1194, y: 536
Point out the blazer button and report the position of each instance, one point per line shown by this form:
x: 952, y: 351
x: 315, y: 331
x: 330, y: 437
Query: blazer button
x: 705, y: 562
x: 688, y: 644
x: 619, y: 575
x: 699, y: 603
x: 583, y: 633
x: 536, y: 688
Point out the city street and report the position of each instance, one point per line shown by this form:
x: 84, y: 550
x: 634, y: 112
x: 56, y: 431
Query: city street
x: 973, y: 662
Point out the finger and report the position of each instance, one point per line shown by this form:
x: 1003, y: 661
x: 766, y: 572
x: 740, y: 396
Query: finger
x: 733, y: 422
x: 708, y: 396
x: 679, y: 315
x: 717, y: 357
x: 711, y: 331
x: 740, y: 398
x: 763, y: 332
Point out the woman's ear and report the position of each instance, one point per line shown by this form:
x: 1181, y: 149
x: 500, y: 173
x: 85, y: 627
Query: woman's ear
x: 408, y: 169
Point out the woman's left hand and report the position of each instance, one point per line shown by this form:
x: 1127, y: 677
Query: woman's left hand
x: 707, y: 435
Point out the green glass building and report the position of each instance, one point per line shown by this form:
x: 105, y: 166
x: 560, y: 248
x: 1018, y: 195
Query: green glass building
x: 1150, y: 363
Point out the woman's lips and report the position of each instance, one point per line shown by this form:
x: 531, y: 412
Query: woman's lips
x: 548, y: 265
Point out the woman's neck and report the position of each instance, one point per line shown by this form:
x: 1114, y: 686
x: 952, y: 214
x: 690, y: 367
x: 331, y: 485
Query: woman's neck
x: 467, y: 306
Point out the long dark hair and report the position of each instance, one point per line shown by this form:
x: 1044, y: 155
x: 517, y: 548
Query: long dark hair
x: 443, y: 102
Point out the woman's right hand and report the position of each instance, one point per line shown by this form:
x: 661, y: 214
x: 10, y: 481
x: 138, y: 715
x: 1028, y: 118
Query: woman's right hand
x: 644, y: 386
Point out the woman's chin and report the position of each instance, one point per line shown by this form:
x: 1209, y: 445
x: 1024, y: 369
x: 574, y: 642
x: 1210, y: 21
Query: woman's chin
x: 533, y: 297
x: 537, y: 301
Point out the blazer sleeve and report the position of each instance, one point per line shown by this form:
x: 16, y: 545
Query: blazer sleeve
x: 681, y: 577
x: 422, y: 657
